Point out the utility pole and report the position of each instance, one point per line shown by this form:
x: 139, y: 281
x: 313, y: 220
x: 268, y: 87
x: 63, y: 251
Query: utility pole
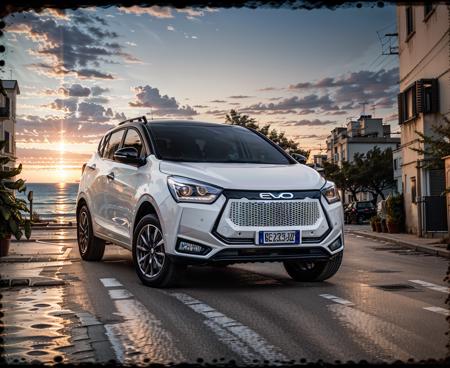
x: 373, y: 110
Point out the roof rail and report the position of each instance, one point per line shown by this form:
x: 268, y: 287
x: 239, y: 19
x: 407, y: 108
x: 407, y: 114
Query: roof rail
x: 141, y: 119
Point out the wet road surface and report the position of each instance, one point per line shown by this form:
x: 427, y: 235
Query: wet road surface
x: 385, y: 303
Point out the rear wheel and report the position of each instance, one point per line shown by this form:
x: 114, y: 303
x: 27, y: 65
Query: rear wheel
x: 91, y: 248
x: 151, y: 262
x: 313, y: 271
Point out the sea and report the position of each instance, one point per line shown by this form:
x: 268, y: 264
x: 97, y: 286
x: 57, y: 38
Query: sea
x: 55, y: 202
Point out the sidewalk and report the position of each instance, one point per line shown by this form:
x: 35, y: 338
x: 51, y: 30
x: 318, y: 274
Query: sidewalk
x: 426, y: 245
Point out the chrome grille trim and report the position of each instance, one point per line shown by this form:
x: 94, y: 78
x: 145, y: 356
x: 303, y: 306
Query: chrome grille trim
x: 247, y: 213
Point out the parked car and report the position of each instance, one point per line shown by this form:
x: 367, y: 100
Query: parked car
x: 359, y: 212
x: 178, y: 193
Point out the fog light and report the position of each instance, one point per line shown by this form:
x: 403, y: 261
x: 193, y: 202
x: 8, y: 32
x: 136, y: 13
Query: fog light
x: 192, y: 248
x: 336, y: 244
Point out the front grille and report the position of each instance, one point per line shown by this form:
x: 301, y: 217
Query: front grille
x: 274, y: 213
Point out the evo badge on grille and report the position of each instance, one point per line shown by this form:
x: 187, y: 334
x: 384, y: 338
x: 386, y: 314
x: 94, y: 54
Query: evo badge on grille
x: 269, y: 195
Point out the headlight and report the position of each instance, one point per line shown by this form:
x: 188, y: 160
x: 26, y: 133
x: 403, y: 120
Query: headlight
x: 330, y: 193
x: 189, y: 190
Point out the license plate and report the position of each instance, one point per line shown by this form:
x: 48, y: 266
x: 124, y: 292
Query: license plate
x: 278, y: 237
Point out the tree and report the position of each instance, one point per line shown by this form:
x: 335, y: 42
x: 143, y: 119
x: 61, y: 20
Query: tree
x: 289, y: 145
x: 435, y: 146
x: 371, y: 172
x: 347, y: 178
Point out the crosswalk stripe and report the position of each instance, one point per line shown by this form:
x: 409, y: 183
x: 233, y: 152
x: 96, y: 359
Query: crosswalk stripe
x: 431, y: 286
x: 439, y: 310
x: 245, y: 342
x: 336, y: 299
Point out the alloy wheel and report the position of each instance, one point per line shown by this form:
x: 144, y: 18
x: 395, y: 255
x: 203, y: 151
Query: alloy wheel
x: 150, y: 251
x: 83, y: 232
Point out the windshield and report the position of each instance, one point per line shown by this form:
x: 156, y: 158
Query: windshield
x: 206, y: 143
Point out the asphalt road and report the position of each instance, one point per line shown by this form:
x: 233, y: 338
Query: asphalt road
x: 385, y: 303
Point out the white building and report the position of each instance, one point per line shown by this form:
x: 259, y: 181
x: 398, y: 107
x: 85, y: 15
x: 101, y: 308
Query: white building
x: 424, y: 101
x: 397, y: 167
x: 359, y: 136
x: 8, y: 95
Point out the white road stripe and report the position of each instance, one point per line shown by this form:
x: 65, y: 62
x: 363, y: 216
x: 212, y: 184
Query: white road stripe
x: 141, y: 335
x: 110, y: 282
x: 439, y: 310
x: 431, y: 286
x: 336, y: 299
x: 119, y: 294
x: 245, y: 342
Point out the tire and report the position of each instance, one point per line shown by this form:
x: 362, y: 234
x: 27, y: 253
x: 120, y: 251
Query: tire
x: 313, y: 271
x: 153, y: 266
x: 91, y: 248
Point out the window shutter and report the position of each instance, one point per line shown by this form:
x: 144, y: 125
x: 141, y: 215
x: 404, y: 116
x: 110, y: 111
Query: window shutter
x: 400, y: 108
x: 419, y: 97
x: 434, y: 95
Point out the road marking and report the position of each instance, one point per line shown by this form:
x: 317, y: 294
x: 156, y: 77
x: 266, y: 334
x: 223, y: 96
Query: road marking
x: 245, y: 342
x: 336, y: 299
x: 119, y: 294
x: 429, y: 285
x: 141, y: 334
x: 439, y: 310
x: 110, y: 282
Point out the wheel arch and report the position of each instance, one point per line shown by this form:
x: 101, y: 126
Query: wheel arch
x: 146, y: 206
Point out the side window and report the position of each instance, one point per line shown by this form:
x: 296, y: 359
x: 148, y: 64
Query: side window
x: 101, y: 145
x: 113, y: 144
x: 132, y: 139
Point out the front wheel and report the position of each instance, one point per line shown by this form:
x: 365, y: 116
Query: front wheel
x: 153, y: 266
x: 313, y: 271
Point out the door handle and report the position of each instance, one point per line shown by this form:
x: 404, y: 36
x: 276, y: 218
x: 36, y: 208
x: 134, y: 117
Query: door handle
x: 110, y: 176
x: 92, y: 167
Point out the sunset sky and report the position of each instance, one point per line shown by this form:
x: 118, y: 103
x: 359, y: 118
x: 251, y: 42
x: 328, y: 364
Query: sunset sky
x: 81, y: 72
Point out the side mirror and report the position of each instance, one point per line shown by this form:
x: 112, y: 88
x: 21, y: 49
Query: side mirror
x: 128, y: 155
x: 299, y: 158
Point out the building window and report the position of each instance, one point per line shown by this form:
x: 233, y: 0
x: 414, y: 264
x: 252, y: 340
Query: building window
x: 395, y: 164
x: 409, y: 22
x: 413, y: 189
x: 427, y: 10
x: 8, y: 143
x: 421, y: 97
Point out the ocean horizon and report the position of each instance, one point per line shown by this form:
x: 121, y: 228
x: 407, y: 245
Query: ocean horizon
x: 55, y: 202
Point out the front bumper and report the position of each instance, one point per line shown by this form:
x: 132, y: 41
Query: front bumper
x: 203, y: 224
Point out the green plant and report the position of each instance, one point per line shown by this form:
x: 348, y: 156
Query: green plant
x: 395, y: 210
x: 11, y: 208
x: 374, y: 219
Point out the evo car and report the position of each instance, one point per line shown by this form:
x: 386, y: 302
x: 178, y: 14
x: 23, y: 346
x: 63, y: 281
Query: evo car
x: 178, y: 193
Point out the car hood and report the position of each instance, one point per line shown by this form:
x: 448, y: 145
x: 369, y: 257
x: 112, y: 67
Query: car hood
x: 248, y: 176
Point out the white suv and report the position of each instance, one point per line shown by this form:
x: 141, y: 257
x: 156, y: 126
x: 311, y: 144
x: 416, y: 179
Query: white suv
x: 179, y: 193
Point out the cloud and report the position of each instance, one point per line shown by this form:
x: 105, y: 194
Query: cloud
x: 154, y: 11
x: 306, y: 122
x: 351, y: 89
x: 218, y: 101
x: 97, y: 90
x: 98, y: 100
x: 66, y: 48
x: 67, y: 105
x: 194, y: 13
x: 75, y: 90
x: 237, y: 97
x: 292, y: 103
x: 170, y: 28
x: 37, y: 129
x: 163, y: 105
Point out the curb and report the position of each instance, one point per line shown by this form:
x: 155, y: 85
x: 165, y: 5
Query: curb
x: 423, y: 248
